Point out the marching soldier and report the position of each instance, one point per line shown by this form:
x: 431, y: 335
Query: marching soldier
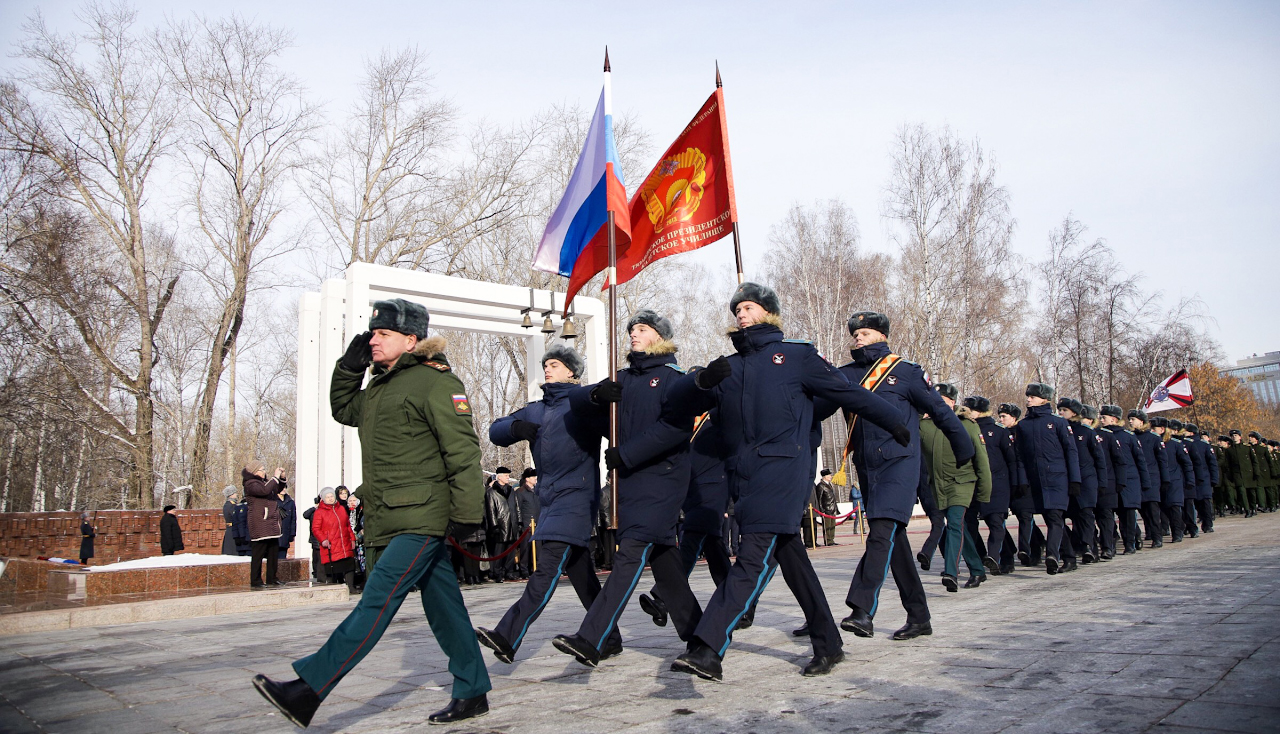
x: 1093, y: 474
x: 1030, y: 541
x: 565, y: 444
x: 652, y: 460
x: 1178, y: 466
x: 1135, y: 480
x: 1048, y: 455
x: 764, y: 393
x: 1206, y: 469
x: 1245, y: 474
x: 1157, y: 470
x: 1000, y: 458
x: 956, y: 484
x: 890, y: 473
x: 421, y: 467
x: 1225, y: 492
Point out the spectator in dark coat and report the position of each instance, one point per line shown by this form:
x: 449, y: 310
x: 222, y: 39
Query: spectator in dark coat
x: 241, y: 527
x: 499, y: 524
x: 231, y: 500
x: 87, y: 534
x: 170, y: 532
x: 264, y: 520
x: 288, y: 521
x: 527, y: 501
x: 317, y: 568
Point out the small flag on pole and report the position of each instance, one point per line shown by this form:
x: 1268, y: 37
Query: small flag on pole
x: 1173, y: 393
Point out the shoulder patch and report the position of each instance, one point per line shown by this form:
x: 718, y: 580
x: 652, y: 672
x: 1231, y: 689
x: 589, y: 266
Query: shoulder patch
x: 678, y: 368
x: 461, y: 405
x: 436, y: 365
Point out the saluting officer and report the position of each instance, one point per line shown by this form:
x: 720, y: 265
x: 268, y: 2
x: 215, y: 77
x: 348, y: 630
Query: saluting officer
x: 1157, y: 471
x: 889, y: 472
x: 565, y: 444
x: 1048, y: 454
x: 421, y: 468
x: 652, y: 460
x: 764, y: 393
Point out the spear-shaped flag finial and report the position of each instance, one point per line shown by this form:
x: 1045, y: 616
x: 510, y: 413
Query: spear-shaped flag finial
x: 719, y: 83
x: 606, y: 59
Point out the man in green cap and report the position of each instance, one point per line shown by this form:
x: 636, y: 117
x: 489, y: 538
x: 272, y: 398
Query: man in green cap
x: 422, y: 479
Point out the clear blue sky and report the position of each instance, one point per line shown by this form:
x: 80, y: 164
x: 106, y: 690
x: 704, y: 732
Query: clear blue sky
x: 1155, y: 123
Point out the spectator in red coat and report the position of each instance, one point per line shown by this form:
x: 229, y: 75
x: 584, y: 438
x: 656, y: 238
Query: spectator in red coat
x: 332, y: 527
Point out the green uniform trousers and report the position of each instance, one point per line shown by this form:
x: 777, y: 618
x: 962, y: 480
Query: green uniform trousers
x: 959, y: 545
x: 405, y: 561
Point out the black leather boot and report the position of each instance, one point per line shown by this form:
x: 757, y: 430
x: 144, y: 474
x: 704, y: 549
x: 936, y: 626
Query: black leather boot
x: 502, y: 649
x: 654, y: 607
x: 821, y: 664
x: 461, y: 708
x: 858, y: 622
x: 577, y: 646
x: 700, y: 660
x: 295, y: 699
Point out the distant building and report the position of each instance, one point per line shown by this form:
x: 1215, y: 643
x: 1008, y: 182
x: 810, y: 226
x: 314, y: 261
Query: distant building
x: 1261, y: 375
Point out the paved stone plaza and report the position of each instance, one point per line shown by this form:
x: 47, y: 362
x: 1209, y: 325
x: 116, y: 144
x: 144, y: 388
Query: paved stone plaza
x: 1182, y: 639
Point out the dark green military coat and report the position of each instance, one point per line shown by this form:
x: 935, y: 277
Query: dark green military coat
x: 420, y: 453
x: 1242, y: 463
x: 951, y: 485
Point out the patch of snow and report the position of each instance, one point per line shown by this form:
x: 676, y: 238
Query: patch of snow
x: 174, y: 561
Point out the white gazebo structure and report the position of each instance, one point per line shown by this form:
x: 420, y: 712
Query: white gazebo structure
x: 328, y: 454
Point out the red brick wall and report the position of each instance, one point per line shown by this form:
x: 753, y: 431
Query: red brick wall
x: 123, y: 535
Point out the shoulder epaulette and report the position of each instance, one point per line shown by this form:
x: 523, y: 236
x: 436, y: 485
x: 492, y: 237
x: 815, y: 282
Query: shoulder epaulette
x: 678, y: 368
x: 436, y: 365
x: 798, y: 341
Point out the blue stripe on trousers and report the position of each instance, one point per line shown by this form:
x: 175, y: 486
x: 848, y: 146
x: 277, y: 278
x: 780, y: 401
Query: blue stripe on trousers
x: 546, y: 598
x: 644, y: 555
x: 765, y: 575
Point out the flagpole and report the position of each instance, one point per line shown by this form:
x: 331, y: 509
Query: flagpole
x: 611, y: 277
x: 737, y: 243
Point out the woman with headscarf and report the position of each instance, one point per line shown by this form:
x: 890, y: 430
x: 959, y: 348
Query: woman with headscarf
x: 231, y: 498
x: 87, y: 534
x: 332, y: 527
x: 356, y: 513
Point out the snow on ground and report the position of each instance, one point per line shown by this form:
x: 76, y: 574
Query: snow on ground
x: 181, y: 559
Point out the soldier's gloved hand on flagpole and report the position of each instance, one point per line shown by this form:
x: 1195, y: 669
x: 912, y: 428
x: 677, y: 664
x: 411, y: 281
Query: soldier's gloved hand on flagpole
x: 613, y: 459
x: 524, y: 430
x: 608, y: 391
x: 359, y: 354
x: 901, y: 435
x: 713, y: 374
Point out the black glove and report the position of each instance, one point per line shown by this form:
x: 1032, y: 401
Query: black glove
x: 613, y: 458
x: 1021, y: 490
x: 460, y: 530
x: 608, y: 391
x: 1073, y: 489
x: 713, y: 374
x: 359, y: 354
x: 524, y: 430
x: 961, y: 463
x: 901, y: 435
x: 1164, y: 487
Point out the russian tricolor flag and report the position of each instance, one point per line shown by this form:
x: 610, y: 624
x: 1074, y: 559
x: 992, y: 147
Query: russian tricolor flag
x: 575, y: 243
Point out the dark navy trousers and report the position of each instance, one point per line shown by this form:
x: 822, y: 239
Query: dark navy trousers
x: 671, y: 582
x: 750, y: 574
x: 887, y: 550
x: 555, y: 559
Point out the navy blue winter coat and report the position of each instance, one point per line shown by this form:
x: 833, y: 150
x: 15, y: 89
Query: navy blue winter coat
x: 708, y: 497
x: 1153, y: 455
x: 654, y: 444
x: 1181, y: 473
x: 1047, y: 451
x: 888, y: 472
x: 1093, y: 465
x: 1004, y: 466
x: 766, y: 414
x: 1205, y: 464
x: 1119, y: 465
x: 567, y: 454
x: 1138, y: 481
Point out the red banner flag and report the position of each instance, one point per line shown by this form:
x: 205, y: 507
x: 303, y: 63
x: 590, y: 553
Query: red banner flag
x: 687, y: 200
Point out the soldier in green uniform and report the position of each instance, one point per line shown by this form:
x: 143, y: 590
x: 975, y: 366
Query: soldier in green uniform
x: 1273, y: 489
x: 421, y: 468
x: 1245, y: 473
x: 955, y: 485
x: 1224, y: 491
